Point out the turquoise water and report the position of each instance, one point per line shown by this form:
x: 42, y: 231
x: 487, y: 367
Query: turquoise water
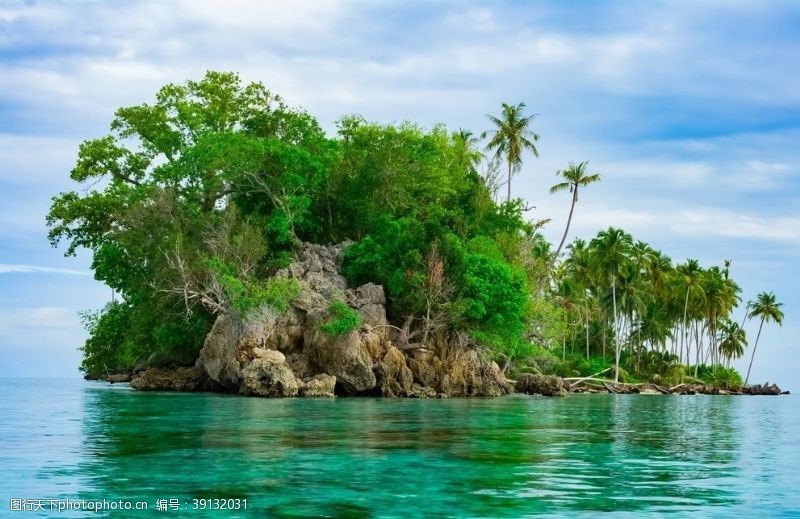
x: 517, y: 456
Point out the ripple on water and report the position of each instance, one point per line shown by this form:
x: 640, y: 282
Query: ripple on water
x: 516, y: 456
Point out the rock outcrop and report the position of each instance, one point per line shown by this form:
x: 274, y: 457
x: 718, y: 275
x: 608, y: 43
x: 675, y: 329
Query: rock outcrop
x: 166, y: 379
x: 286, y: 354
x: 545, y: 385
x: 762, y: 389
x: 319, y: 386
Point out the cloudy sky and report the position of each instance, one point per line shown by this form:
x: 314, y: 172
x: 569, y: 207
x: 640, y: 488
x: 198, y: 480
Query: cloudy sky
x: 689, y: 110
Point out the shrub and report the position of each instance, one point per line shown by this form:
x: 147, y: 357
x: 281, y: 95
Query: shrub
x: 342, y: 320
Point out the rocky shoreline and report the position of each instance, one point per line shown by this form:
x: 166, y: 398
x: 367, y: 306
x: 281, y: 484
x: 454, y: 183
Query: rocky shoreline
x: 273, y: 354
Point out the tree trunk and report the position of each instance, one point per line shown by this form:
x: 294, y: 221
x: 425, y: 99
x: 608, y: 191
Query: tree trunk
x: 587, y: 337
x: 616, y: 331
x: 699, y: 346
x: 605, y: 329
x: 683, y: 335
x: 508, y: 185
x: 566, y: 230
x: 753, y: 355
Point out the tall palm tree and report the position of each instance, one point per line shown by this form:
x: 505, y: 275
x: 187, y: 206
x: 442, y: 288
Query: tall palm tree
x: 611, y: 248
x: 511, y: 138
x: 768, y: 309
x: 690, y: 276
x: 576, y: 177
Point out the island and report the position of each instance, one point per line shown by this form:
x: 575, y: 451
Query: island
x: 249, y: 252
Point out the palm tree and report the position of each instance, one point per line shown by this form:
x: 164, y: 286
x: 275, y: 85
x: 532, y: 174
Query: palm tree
x: 576, y: 177
x: 611, y: 248
x: 768, y: 309
x: 690, y: 276
x: 512, y: 138
x: 467, y: 148
x: 732, y: 340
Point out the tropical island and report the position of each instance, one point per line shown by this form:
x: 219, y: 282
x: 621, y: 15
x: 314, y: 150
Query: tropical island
x: 249, y: 252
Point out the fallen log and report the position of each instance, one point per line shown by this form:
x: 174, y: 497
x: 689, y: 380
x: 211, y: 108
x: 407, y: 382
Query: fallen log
x: 590, y: 377
x: 663, y: 390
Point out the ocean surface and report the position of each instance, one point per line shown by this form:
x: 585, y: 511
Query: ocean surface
x: 584, y: 455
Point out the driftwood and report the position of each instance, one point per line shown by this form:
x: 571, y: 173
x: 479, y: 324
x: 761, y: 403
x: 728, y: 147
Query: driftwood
x: 590, y: 377
x: 663, y: 390
x: 611, y: 389
x: 584, y: 379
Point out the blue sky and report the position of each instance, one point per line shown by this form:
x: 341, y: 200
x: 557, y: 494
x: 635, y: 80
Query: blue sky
x: 689, y: 110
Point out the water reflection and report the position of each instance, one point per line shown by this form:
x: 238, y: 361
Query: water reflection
x: 368, y: 457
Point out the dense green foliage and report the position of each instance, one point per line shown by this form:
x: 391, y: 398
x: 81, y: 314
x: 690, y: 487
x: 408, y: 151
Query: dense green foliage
x: 342, y: 320
x: 193, y: 203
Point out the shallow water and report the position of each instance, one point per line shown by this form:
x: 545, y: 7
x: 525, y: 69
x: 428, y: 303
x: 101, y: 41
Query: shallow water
x: 516, y: 456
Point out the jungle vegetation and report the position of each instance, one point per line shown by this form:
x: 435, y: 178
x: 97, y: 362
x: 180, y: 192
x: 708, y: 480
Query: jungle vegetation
x: 192, y: 203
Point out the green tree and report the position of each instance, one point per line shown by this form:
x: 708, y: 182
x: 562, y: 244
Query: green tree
x: 732, y: 340
x: 511, y: 138
x: 767, y: 309
x: 610, y: 260
x: 689, y: 276
x: 575, y: 177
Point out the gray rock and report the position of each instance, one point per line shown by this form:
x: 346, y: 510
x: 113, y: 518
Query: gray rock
x: 537, y: 384
x: 266, y: 376
x: 169, y: 379
x: 395, y: 378
x: 370, y: 294
x: 219, y: 358
x: 321, y: 385
x: 346, y: 357
x: 116, y: 378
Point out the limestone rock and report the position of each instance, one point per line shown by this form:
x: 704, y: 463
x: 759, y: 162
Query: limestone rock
x: 116, y: 378
x: 470, y: 375
x: 166, y: 379
x: 423, y: 372
x: 299, y: 364
x: 537, y: 384
x: 346, y: 357
x: 267, y: 376
x: 396, y: 379
x: 763, y: 389
x: 219, y: 358
x: 370, y: 294
x: 270, y: 355
x: 321, y: 385
x: 374, y: 345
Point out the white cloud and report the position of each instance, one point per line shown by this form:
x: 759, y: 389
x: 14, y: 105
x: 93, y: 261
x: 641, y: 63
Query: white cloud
x: 50, y: 317
x: 600, y: 89
x: 6, y: 268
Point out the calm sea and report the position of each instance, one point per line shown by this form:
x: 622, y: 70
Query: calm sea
x: 626, y: 455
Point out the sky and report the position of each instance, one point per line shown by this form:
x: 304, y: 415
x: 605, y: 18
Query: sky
x: 689, y: 110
